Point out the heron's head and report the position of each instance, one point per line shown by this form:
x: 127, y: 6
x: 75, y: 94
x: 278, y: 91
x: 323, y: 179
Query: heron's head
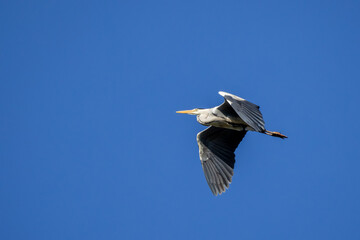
x: 195, y: 111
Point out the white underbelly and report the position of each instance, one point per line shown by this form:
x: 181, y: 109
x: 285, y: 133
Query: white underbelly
x: 237, y: 127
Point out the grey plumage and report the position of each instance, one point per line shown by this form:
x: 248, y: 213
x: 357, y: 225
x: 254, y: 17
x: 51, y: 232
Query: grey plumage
x: 216, y: 150
x: 228, y: 123
x: 246, y: 110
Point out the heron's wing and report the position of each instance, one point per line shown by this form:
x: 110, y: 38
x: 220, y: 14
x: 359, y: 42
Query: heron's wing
x: 216, y: 150
x: 246, y: 110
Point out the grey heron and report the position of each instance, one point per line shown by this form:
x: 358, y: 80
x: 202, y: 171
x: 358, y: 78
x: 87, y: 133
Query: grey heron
x: 228, y: 124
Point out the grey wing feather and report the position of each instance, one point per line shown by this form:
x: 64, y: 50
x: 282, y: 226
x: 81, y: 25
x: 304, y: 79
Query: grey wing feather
x: 246, y: 110
x: 216, y: 150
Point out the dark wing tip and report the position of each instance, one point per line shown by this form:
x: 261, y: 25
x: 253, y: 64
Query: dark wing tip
x: 215, y: 178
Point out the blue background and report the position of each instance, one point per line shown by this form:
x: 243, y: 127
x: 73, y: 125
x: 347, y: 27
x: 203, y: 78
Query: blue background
x: 91, y: 146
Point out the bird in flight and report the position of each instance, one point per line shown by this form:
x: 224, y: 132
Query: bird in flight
x: 228, y: 124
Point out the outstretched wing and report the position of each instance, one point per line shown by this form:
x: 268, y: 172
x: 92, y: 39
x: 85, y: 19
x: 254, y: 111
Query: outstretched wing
x: 216, y: 150
x: 246, y: 110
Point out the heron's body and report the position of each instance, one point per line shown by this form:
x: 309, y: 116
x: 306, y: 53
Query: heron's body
x: 228, y: 123
x: 218, y: 119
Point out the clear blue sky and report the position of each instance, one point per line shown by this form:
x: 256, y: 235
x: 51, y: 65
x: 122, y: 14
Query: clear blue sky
x: 91, y: 146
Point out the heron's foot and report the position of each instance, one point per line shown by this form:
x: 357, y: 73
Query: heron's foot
x: 275, y: 134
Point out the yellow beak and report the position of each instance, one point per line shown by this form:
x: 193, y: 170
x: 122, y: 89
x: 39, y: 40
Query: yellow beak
x: 186, y: 111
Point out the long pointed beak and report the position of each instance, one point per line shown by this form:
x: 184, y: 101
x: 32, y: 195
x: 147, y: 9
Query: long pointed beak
x: 186, y: 111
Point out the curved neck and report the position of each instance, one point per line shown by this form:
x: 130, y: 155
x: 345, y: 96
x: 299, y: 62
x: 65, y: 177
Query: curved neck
x: 203, y: 116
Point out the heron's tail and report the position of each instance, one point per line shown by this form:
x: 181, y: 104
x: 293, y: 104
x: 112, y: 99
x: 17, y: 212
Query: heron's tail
x: 275, y: 134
